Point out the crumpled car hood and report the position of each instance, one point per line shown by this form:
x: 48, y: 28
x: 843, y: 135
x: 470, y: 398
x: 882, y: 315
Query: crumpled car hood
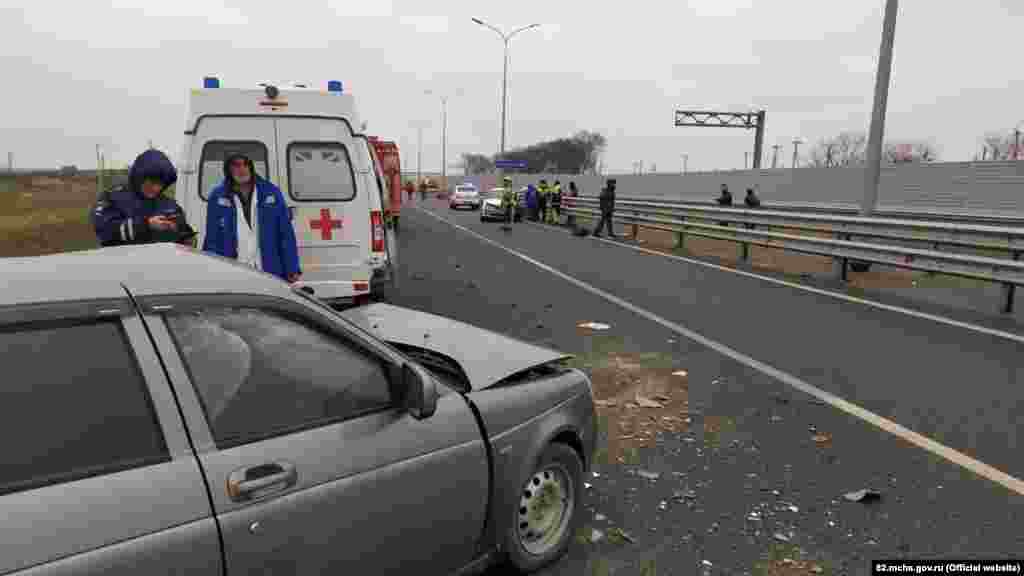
x: 487, y: 357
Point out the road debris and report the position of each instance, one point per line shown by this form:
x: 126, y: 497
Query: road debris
x: 663, y: 505
x: 596, y: 535
x: 822, y: 438
x: 596, y: 475
x: 648, y: 475
x: 681, y: 373
x: 618, y: 536
x: 594, y: 326
x: 587, y: 485
x: 644, y: 402
x: 781, y: 537
x: 706, y: 563
x: 605, y: 403
x: 600, y: 518
x: 863, y: 496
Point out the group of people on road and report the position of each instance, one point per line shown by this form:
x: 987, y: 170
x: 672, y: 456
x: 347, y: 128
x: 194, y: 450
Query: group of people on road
x: 544, y: 201
x: 247, y: 218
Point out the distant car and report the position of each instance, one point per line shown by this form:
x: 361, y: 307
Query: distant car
x: 181, y: 413
x: 466, y: 195
x: 492, y: 210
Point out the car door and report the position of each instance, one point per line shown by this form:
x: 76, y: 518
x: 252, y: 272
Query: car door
x: 324, y: 177
x: 218, y: 138
x: 314, y: 467
x: 97, y: 475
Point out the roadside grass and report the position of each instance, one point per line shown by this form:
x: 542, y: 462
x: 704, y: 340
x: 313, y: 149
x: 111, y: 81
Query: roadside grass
x: 46, y: 214
x: 787, y: 559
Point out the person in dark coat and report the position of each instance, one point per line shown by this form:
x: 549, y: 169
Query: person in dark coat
x: 724, y: 199
x: 531, y: 202
x: 139, y: 212
x: 607, y: 204
x: 570, y: 220
x: 752, y: 201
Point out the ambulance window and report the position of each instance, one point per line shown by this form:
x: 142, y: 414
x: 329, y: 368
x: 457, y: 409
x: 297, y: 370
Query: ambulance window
x: 211, y: 163
x: 319, y: 171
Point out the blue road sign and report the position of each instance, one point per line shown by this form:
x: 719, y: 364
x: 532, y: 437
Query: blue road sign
x: 520, y: 164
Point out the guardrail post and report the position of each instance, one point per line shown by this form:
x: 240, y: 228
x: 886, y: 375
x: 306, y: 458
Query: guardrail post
x: 1009, y: 291
x: 745, y: 254
x: 842, y: 265
x: 636, y: 228
x: 679, y: 235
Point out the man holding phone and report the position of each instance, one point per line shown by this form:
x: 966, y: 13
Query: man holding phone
x: 139, y: 212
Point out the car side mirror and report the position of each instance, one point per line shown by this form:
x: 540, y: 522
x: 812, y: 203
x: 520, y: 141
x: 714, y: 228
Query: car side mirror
x: 420, y: 392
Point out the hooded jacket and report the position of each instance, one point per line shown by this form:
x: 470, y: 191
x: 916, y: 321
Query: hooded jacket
x: 278, y: 246
x: 120, y: 214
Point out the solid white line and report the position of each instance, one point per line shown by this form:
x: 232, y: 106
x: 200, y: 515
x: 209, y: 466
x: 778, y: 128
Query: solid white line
x: 956, y: 457
x: 891, y: 308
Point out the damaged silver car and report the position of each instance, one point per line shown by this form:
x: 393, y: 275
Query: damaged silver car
x: 180, y: 413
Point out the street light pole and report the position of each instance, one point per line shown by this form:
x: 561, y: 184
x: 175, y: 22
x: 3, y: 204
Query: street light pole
x: 686, y: 157
x: 874, y: 166
x: 419, y: 154
x: 796, y: 143
x: 775, y: 155
x: 444, y: 141
x: 505, y: 38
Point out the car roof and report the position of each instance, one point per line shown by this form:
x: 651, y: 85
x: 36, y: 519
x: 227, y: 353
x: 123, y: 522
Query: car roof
x: 147, y: 270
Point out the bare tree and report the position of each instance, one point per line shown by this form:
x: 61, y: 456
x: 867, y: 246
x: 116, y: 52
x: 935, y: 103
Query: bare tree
x: 476, y: 164
x: 905, y: 152
x: 999, y: 146
x: 844, y: 149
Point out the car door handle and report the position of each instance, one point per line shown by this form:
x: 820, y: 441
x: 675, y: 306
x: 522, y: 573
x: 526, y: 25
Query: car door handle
x: 254, y: 482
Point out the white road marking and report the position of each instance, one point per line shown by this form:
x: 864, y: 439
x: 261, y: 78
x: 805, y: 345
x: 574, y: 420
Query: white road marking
x: 838, y: 295
x: 956, y: 457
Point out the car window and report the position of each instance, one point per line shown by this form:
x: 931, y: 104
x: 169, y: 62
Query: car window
x: 320, y: 171
x: 259, y: 373
x: 74, y: 405
x: 211, y: 163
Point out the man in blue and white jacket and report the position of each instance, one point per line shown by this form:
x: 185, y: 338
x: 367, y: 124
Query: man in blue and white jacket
x: 247, y: 219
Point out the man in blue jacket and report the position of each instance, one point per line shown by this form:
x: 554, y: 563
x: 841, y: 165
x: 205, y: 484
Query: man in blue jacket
x: 138, y: 212
x: 247, y: 219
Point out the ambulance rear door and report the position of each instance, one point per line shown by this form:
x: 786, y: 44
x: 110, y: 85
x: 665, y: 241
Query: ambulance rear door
x: 217, y: 138
x: 323, y: 177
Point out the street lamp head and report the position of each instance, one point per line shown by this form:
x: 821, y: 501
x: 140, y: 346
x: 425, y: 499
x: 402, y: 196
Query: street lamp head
x: 479, y: 21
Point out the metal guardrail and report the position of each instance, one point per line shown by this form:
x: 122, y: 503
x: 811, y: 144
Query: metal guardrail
x: 936, y: 215
x: 713, y: 222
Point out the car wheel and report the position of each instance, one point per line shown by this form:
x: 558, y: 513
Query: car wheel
x: 547, y: 512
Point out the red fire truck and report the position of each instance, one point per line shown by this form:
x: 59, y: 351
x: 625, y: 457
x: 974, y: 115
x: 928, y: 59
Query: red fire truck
x: 391, y: 173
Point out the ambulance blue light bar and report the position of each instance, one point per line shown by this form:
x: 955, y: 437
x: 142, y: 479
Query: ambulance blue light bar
x: 211, y: 82
x: 334, y: 86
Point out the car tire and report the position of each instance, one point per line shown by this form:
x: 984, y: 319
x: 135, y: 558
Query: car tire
x: 555, y: 487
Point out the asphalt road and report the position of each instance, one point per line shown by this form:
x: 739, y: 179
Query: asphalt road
x: 947, y: 383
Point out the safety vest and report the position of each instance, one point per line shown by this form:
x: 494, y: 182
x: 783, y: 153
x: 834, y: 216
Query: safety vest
x: 556, y: 192
x: 542, y: 189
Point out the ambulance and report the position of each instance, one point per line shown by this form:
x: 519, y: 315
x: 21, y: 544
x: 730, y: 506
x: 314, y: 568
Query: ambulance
x: 309, y: 143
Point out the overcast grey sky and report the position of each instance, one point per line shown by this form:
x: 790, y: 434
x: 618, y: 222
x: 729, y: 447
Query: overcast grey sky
x: 117, y: 72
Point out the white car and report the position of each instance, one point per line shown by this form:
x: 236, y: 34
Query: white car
x: 465, y: 195
x: 492, y: 206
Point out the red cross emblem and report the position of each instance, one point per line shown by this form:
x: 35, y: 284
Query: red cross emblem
x: 325, y: 224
